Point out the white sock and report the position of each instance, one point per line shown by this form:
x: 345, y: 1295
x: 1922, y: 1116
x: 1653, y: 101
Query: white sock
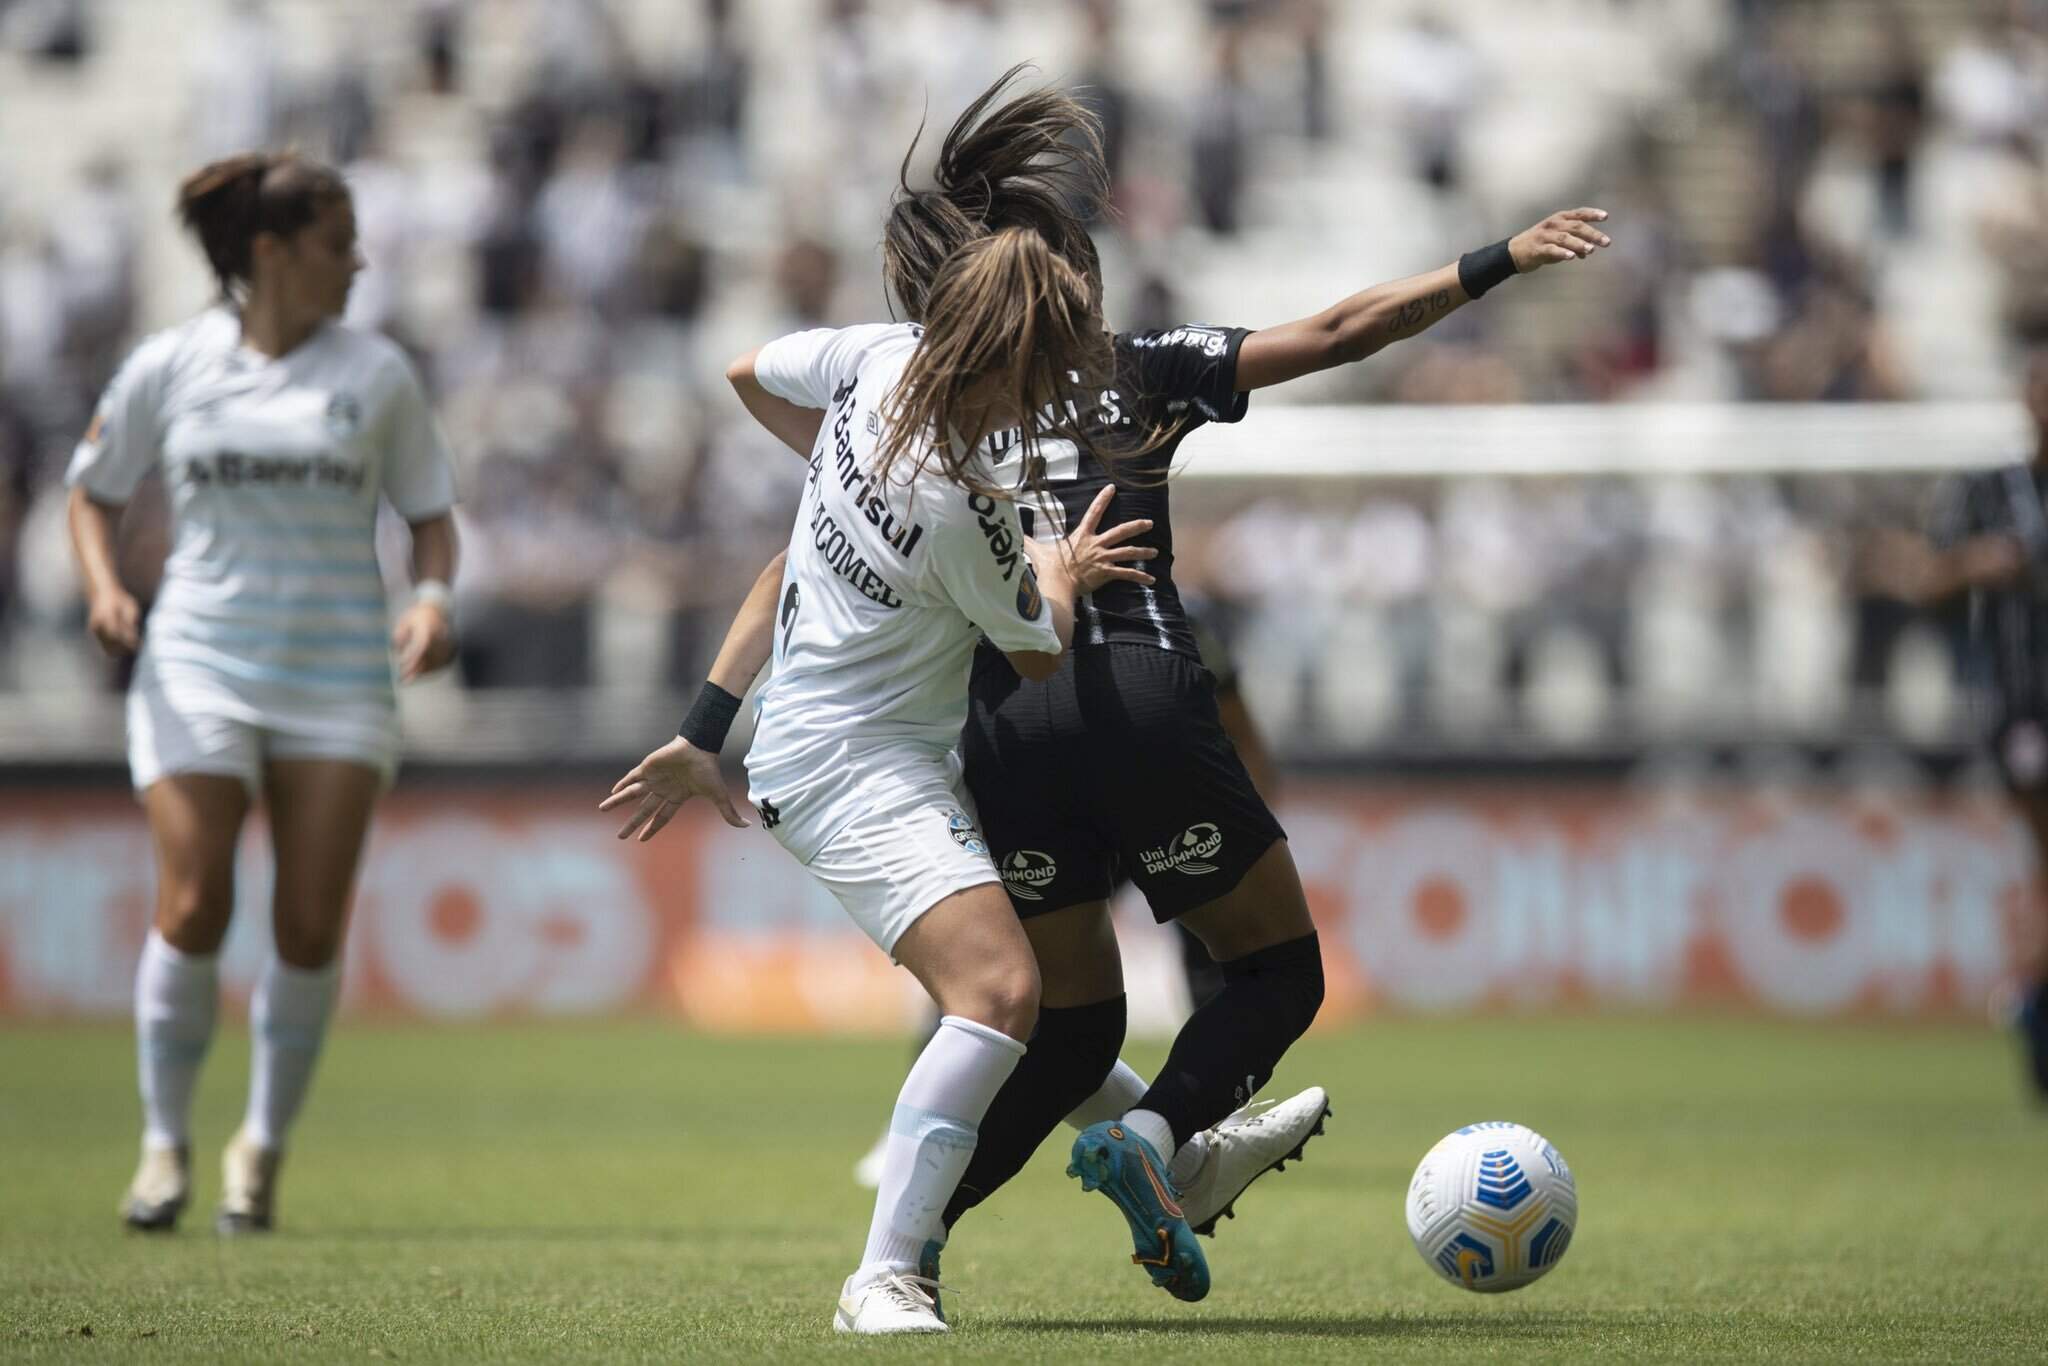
x: 937, y: 1120
x: 1119, y: 1093
x: 1152, y: 1127
x: 287, y: 1024
x: 176, y: 998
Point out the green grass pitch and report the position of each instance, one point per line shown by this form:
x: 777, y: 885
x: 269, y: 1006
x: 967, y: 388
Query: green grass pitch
x: 632, y: 1192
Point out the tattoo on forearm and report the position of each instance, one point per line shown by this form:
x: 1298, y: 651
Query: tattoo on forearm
x: 1418, y: 313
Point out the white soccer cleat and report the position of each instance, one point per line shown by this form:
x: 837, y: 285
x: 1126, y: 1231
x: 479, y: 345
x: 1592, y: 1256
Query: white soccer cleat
x: 162, y: 1185
x: 248, y: 1186
x: 1262, y: 1137
x: 896, y: 1303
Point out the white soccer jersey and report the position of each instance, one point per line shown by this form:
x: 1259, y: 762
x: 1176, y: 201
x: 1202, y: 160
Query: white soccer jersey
x: 273, y: 468
x: 887, y: 588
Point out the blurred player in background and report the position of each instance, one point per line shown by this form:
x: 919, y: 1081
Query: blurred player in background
x: 1989, y: 543
x: 265, y: 668
x: 1120, y: 760
x: 905, y: 555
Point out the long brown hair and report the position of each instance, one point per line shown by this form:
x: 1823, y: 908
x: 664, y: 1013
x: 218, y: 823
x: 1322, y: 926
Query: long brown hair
x: 1036, y: 162
x: 1007, y: 318
x: 226, y: 203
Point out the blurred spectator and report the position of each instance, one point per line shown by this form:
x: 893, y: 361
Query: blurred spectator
x: 1219, y: 148
x: 1992, y: 87
x: 238, y: 93
x: 1434, y: 78
x: 1893, y: 112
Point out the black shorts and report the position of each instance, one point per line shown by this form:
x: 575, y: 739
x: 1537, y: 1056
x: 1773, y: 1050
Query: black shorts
x: 1119, y: 761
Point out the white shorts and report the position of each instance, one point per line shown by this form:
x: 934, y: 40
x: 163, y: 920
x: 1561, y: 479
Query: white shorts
x: 891, y: 847
x: 187, y: 720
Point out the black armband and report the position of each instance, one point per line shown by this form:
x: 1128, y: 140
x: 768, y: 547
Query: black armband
x: 1481, y: 270
x: 710, y: 719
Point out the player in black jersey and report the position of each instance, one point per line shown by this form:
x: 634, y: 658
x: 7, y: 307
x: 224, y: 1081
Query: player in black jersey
x: 1989, y: 543
x: 1121, y: 756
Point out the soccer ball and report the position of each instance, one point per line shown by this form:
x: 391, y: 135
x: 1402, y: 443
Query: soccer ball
x: 1492, y: 1207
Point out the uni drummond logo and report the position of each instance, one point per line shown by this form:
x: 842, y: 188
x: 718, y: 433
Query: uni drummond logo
x: 1028, y: 872
x: 1189, y: 852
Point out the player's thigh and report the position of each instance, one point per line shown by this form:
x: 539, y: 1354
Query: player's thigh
x: 1016, y: 753
x: 319, y: 816
x: 1193, y: 833
x: 195, y: 823
x: 1266, y: 907
x: 970, y: 953
x: 1078, y: 960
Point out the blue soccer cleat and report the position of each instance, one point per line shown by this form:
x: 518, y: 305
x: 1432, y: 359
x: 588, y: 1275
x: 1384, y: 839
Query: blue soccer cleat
x: 1110, y: 1158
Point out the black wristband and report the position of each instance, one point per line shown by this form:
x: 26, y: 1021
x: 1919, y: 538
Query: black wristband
x: 1481, y: 270
x: 710, y: 718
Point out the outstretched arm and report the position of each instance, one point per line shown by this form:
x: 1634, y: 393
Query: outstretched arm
x: 687, y: 766
x: 1356, y: 327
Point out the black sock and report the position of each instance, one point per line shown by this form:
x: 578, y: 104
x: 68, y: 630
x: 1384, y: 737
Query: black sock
x: 1227, y: 1050
x: 1069, y: 1054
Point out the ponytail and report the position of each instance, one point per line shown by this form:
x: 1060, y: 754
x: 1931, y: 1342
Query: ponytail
x: 1036, y: 162
x: 1002, y: 308
x: 227, y: 203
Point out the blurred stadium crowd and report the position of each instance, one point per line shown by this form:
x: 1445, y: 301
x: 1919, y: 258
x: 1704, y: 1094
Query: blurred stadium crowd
x: 577, y: 210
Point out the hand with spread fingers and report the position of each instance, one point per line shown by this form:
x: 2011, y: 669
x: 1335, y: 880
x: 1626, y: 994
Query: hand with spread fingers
x: 1093, y: 557
x: 663, y: 781
x: 1568, y: 235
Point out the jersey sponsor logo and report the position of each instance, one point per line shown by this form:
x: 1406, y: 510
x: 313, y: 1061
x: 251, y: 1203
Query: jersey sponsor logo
x: 1001, y: 543
x: 1028, y: 872
x: 1210, y: 341
x: 1030, y: 602
x: 867, y: 498
x: 1188, y: 852
x: 964, y: 834
x: 231, y: 469
x: 344, y: 416
x: 847, y: 562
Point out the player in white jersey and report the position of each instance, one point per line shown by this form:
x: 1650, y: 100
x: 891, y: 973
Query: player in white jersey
x: 905, y: 553
x: 266, y: 668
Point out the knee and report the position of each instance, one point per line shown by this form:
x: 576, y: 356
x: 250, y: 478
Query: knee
x: 192, y: 914
x: 308, y: 945
x: 1003, y: 997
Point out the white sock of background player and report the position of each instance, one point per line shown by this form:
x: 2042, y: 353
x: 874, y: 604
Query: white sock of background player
x: 288, y: 1018
x: 177, y: 996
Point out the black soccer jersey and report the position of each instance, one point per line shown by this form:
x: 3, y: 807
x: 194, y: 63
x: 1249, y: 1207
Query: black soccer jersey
x: 2009, y: 623
x: 1173, y: 381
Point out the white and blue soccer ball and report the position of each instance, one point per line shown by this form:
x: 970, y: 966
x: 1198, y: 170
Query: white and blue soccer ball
x: 1492, y: 1207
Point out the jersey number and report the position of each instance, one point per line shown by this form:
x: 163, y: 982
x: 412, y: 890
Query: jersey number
x: 1039, y: 512
x: 791, y: 600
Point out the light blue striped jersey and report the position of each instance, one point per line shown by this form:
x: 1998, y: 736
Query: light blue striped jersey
x: 273, y: 467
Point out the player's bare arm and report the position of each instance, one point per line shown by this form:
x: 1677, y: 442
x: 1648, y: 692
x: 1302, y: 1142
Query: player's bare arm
x: 424, y: 636
x: 795, y: 427
x: 680, y: 770
x: 1375, y: 318
x: 112, y: 614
